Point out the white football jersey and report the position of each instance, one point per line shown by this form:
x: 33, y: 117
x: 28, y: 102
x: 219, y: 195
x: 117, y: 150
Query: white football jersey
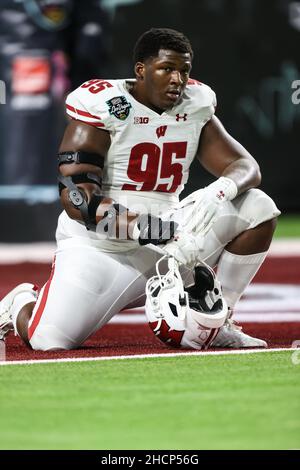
x: 150, y: 154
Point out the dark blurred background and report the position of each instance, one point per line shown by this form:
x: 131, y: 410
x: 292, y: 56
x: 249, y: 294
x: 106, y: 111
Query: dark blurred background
x: 246, y: 50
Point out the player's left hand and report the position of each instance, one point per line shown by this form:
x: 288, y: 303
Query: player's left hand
x: 185, y: 248
x: 207, y: 202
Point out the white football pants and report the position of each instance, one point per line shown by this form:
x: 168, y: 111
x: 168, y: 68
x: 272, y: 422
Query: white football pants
x: 87, y: 286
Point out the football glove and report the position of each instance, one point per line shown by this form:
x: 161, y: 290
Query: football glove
x: 185, y: 248
x: 207, y: 201
x: 152, y: 229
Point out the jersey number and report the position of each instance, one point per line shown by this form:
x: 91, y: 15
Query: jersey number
x: 96, y: 85
x: 154, y: 169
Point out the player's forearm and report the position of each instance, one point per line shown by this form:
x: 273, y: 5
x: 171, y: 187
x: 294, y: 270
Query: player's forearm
x: 244, y: 172
x: 117, y: 222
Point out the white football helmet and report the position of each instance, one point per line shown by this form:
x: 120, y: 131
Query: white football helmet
x: 187, y: 318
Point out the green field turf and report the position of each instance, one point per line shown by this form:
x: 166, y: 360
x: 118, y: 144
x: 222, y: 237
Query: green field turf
x: 218, y: 402
x: 288, y: 226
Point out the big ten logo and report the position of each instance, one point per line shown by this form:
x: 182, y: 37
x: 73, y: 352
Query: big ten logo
x: 2, y: 350
x: 141, y: 120
x: 2, y: 92
x: 295, y: 358
x: 296, y: 94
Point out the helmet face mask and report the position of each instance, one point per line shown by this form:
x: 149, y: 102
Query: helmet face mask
x: 187, y: 318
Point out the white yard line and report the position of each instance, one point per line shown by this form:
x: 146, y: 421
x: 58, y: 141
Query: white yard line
x: 11, y: 253
x: 147, y: 356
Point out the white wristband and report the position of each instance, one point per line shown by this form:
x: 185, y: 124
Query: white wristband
x: 224, y: 188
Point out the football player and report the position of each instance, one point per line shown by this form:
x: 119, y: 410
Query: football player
x: 123, y: 161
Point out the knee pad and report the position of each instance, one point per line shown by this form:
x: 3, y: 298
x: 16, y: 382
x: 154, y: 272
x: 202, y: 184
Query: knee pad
x: 258, y: 207
x: 49, y: 337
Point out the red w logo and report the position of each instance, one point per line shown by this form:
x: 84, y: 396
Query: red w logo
x: 184, y: 117
x: 171, y: 337
x: 160, y: 131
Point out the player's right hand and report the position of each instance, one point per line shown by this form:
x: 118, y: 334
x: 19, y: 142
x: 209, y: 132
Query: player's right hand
x: 152, y: 229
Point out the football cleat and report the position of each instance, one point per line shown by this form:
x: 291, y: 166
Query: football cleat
x: 185, y: 318
x: 230, y: 335
x: 6, y: 306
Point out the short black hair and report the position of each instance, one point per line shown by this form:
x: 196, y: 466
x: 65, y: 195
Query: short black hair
x: 150, y: 42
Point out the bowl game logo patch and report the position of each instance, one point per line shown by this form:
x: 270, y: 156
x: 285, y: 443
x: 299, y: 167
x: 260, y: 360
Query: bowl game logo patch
x: 119, y: 107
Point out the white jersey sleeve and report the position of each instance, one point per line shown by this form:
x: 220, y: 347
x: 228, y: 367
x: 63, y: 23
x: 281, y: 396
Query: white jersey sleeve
x: 202, y: 99
x: 88, y: 103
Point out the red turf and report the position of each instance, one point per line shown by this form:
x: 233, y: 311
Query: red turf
x: 138, y: 339
x: 120, y: 340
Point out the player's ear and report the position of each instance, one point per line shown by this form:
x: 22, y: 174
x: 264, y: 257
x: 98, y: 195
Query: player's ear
x: 139, y: 69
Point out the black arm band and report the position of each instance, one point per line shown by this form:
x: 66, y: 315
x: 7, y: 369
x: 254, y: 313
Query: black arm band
x: 81, y: 178
x: 80, y: 157
x: 78, y: 200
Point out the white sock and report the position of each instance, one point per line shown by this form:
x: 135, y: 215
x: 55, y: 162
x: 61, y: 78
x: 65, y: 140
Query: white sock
x: 235, y: 272
x: 20, y: 301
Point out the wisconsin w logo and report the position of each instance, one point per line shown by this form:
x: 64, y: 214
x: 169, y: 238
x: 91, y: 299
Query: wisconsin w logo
x: 166, y: 335
x: 160, y: 131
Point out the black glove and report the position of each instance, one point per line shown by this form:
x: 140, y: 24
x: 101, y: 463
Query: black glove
x: 155, y: 230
